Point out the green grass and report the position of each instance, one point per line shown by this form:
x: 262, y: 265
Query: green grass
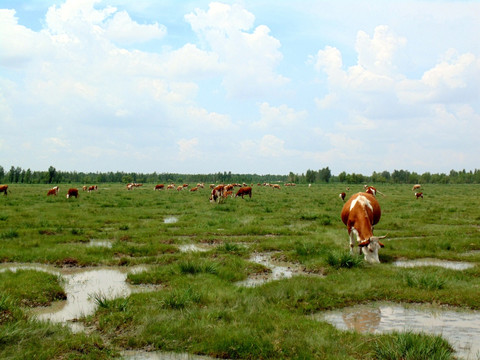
x: 199, y: 308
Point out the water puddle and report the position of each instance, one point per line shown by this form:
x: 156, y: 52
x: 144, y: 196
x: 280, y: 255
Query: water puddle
x: 279, y: 270
x: 170, y: 220
x: 460, y: 328
x: 194, y: 248
x: 452, y: 265
x: 100, y: 243
x: 158, y: 355
x: 82, y: 286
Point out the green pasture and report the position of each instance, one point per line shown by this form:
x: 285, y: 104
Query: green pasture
x: 199, y: 308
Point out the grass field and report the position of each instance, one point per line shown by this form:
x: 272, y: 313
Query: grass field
x: 198, y: 307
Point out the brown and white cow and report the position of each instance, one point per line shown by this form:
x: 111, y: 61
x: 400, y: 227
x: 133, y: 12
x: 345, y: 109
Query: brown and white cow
x: 159, y: 187
x: 360, y: 213
x: 52, y: 192
x: 72, y: 192
x: 92, y: 188
x: 217, y: 193
x: 4, y: 189
x: 194, y: 189
x: 416, y: 187
x: 342, y: 196
x: 245, y: 190
x: 419, y: 195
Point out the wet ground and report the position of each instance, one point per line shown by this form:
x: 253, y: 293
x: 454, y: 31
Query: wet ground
x: 82, y: 286
x: 278, y: 270
x: 452, y: 265
x: 460, y: 328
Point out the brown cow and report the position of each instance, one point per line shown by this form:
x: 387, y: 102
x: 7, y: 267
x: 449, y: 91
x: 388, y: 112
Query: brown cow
x: 419, y: 195
x: 360, y: 213
x: 245, y: 190
x: 217, y: 193
x: 52, y: 192
x: 416, y: 187
x: 342, y: 196
x: 92, y: 188
x: 159, y: 187
x: 4, y: 189
x: 72, y: 192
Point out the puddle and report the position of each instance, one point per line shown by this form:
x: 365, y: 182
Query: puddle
x: 460, y: 328
x: 100, y: 243
x: 279, y: 270
x: 82, y: 285
x: 452, y: 265
x: 193, y: 248
x: 170, y: 220
x: 158, y: 355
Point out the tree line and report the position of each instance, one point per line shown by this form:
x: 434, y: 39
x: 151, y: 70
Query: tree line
x: 324, y: 175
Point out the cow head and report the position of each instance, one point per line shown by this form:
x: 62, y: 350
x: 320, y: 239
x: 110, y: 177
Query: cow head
x: 370, y: 248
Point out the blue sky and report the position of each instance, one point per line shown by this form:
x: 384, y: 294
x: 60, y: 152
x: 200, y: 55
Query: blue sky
x: 248, y: 86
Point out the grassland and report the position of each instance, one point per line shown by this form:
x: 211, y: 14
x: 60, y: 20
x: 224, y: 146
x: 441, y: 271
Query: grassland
x: 199, y: 308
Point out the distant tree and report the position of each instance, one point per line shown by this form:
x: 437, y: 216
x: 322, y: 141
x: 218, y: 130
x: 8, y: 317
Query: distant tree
x: 324, y: 174
x: 342, y: 177
x: 2, y: 173
x: 52, y: 175
x: 310, y: 176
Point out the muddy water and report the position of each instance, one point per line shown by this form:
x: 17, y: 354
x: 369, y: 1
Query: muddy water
x: 452, y: 265
x: 156, y: 355
x: 279, y: 270
x: 170, y: 220
x: 461, y: 329
x: 194, y: 248
x: 81, y: 285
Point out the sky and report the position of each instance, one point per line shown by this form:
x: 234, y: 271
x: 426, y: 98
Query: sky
x: 248, y: 86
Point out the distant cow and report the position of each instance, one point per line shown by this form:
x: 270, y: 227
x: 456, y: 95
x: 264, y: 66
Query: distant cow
x: 419, y: 195
x: 52, y: 192
x: 360, y: 213
x: 217, y: 193
x: 159, y: 187
x: 342, y: 196
x: 194, y: 189
x: 92, y: 188
x: 371, y: 190
x: 4, y: 189
x: 416, y: 187
x: 246, y: 190
x: 72, y: 192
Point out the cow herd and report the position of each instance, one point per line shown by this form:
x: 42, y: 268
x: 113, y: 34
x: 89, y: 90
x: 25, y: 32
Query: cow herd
x: 359, y: 213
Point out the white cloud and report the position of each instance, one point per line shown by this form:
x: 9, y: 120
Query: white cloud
x: 248, y: 58
x: 278, y: 117
x: 188, y: 149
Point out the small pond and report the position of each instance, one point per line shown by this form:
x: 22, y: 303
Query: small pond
x: 452, y: 265
x: 460, y: 328
x: 82, y: 285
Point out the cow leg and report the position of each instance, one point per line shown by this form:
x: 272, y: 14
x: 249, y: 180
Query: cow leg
x: 351, y: 236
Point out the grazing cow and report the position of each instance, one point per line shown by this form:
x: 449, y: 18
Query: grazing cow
x: 419, y: 195
x: 92, y: 188
x: 52, y: 192
x: 227, y: 194
x: 371, y: 190
x: 342, y: 196
x: 246, y: 190
x: 194, y: 188
x: 159, y: 187
x: 275, y: 186
x: 179, y: 188
x: 416, y: 187
x: 4, y: 189
x: 171, y: 187
x: 72, y: 192
x: 360, y: 213
x: 84, y: 188
x: 217, y: 193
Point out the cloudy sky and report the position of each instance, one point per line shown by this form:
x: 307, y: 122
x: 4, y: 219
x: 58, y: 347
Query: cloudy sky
x: 249, y: 86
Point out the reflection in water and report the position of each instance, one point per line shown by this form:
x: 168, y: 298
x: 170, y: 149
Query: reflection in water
x: 192, y: 248
x: 452, y: 265
x: 278, y: 269
x: 81, y: 286
x: 461, y: 329
x: 158, y: 355
x: 100, y: 243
